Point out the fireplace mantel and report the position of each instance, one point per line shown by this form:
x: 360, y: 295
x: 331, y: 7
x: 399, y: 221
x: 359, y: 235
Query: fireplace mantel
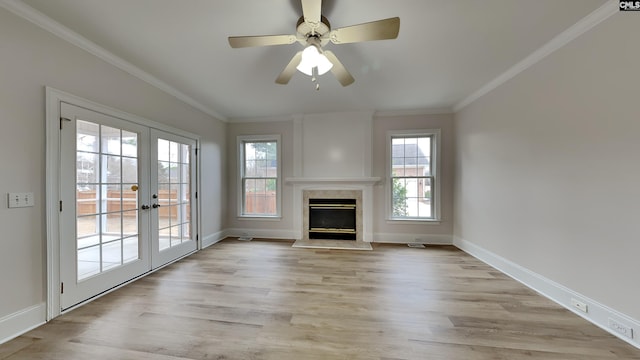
x: 367, y: 181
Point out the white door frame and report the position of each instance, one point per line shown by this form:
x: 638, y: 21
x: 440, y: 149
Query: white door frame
x: 54, y: 98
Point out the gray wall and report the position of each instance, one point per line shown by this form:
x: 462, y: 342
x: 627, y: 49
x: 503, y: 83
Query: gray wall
x: 548, y: 171
x: 31, y: 59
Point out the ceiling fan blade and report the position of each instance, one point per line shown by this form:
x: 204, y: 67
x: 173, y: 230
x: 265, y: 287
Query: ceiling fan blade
x: 375, y: 30
x: 288, y: 71
x: 339, y: 70
x: 312, y: 11
x: 266, y: 40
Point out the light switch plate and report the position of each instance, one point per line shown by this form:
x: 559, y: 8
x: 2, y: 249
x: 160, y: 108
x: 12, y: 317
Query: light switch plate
x: 16, y: 200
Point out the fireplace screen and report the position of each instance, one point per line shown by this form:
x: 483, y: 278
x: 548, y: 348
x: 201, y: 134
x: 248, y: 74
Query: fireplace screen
x: 332, y: 219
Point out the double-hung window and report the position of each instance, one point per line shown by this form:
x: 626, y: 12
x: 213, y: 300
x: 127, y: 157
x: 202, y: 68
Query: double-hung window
x: 413, y: 171
x: 260, y: 185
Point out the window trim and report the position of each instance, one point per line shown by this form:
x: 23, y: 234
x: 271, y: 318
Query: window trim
x: 241, y: 140
x: 435, y: 160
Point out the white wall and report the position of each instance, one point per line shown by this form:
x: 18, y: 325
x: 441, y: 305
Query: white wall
x: 30, y: 59
x: 548, y: 167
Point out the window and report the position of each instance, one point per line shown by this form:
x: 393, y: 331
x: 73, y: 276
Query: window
x: 414, y: 187
x: 259, y: 176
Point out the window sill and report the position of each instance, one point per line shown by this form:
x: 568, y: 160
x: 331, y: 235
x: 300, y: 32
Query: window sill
x: 413, y: 221
x: 260, y: 218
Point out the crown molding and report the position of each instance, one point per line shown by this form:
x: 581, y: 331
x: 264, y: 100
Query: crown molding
x: 261, y: 119
x: 610, y: 8
x: 36, y: 17
x: 415, y: 112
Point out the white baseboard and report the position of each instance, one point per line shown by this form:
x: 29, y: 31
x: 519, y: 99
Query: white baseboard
x: 598, y: 314
x: 393, y: 238
x: 261, y: 233
x: 213, y: 238
x: 396, y: 238
x: 18, y: 323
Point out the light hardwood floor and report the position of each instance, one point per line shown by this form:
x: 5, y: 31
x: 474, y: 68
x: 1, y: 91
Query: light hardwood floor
x: 267, y: 300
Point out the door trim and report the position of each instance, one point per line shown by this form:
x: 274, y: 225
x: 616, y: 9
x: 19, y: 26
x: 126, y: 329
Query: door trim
x: 53, y: 100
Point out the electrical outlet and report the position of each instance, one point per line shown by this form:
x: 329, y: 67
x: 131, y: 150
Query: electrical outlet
x: 15, y: 200
x: 577, y: 304
x: 621, y: 328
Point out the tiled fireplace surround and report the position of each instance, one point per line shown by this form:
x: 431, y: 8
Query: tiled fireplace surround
x: 360, y: 189
x: 331, y: 194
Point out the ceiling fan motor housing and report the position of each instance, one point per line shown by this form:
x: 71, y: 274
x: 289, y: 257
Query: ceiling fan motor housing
x: 306, y: 30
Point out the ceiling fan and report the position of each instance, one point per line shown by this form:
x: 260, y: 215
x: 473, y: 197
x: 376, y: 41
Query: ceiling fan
x: 313, y: 31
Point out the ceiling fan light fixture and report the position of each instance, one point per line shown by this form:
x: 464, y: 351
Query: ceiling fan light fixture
x: 312, y: 57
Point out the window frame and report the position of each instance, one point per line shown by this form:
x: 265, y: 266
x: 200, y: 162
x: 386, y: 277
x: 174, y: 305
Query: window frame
x: 435, y: 175
x: 241, y: 141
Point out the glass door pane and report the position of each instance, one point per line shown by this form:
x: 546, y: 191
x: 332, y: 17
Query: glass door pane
x: 173, y: 199
x: 106, y: 198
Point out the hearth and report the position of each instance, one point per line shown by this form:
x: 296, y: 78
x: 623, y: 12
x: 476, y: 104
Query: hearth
x: 332, y: 219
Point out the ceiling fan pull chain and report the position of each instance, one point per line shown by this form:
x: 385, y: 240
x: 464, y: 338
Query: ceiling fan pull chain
x: 314, y: 77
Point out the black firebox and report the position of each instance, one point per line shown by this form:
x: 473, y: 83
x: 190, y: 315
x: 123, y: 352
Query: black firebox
x: 332, y: 219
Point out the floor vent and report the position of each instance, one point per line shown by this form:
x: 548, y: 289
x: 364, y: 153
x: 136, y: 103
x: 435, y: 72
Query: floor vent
x: 417, y: 246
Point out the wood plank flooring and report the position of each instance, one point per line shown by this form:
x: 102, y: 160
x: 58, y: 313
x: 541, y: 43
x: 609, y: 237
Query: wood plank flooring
x: 266, y: 300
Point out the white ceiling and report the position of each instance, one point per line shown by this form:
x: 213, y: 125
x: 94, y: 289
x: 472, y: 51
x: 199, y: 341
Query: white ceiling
x: 446, y: 49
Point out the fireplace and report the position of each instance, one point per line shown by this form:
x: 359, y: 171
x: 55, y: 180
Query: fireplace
x: 327, y: 220
x: 332, y: 219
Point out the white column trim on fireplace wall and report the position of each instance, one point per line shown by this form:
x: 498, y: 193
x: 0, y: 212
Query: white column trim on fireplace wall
x: 297, y: 145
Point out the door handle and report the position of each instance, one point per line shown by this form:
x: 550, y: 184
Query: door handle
x: 145, y: 207
x: 155, y: 206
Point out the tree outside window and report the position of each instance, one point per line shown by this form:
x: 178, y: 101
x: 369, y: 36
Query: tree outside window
x: 412, y: 177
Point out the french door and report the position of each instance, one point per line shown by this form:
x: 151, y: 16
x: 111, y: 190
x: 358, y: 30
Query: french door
x: 127, y: 201
x: 172, y: 197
